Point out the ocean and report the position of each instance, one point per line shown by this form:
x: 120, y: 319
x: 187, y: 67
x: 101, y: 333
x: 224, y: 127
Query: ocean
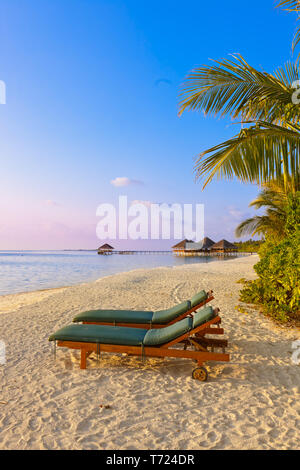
x: 24, y: 271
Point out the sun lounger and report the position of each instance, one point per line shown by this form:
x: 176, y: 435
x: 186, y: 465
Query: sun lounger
x: 190, y: 332
x: 145, y: 319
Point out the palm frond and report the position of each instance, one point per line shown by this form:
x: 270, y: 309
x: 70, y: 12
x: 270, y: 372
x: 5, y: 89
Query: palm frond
x: 268, y: 151
x: 234, y: 87
x: 256, y: 225
x: 274, y: 198
x: 258, y: 154
x: 260, y: 225
x: 289, y: 5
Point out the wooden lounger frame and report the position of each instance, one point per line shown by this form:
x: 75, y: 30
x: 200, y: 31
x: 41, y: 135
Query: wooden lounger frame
x: 194, y: 337
x: 149, y: 326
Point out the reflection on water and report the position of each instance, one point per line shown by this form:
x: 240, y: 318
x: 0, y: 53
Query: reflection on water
x: 22, y: 271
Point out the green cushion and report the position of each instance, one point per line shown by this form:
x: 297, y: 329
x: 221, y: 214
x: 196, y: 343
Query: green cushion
x: 119, y: 316
x: 203, y: 316
x: 141, y: 316
x: 165, y: 316
x: 100, y: 334
x: 198, y: 298
x: 164, y: 335
x: 131, y: 336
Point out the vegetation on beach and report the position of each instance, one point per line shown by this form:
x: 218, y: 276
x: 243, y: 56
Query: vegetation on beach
x: 277, y: 288
x: 249, y: 246
x: 266, y: 152
x: 273, y: 198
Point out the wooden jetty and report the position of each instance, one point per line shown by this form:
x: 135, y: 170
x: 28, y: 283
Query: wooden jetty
x: 205, y: 248
x: 134, y: 252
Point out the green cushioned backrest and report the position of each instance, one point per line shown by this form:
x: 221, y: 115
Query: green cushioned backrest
x: 164, y: 335
x: 165, y: 316
x: 203, y: 316
x: 198, y: 298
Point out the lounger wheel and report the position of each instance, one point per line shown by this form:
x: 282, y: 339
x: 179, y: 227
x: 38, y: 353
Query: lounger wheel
x: 200, y: 373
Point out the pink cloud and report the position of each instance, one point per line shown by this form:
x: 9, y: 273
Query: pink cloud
x: 51, y: 203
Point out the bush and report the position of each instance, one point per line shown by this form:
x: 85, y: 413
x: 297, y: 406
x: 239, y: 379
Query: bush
x: 250, y: 246
x: 277, y: 288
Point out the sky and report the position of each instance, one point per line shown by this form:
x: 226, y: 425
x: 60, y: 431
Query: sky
x: 91, y: 111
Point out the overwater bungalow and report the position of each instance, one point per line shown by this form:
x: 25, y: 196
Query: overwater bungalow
x: 105, y: 249
x: 191, y: 248
x: 206, y: 246
x: 223, y: 246
x: 207, y: 243
x: 181, y: 247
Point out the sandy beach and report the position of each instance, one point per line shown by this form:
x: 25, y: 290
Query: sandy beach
x: 253, y: 402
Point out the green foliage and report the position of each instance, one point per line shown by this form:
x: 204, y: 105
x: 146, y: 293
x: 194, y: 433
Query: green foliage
x: 268, y: 145
x: 250, y: 246
x: 273, y: 198
x: 277, y: 288
x: 293, y: 213
x: 265, y: 151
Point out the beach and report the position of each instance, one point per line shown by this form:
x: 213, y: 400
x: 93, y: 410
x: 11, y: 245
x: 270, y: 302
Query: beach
x: 252, y: 402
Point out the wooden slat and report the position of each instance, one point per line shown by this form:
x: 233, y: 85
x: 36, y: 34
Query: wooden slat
x: 148, y: 351
x: 211, y: 331
x: 83, y: 359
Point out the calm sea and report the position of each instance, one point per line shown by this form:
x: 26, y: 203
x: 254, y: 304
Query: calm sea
x: 23, y: 271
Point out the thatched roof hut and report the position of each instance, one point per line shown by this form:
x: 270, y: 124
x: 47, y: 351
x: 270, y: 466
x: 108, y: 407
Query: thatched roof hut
x: 106, y: 248
x: 223, y: 246
x: 207, y: 243
x: 181, y: 245
x: 190, y: 246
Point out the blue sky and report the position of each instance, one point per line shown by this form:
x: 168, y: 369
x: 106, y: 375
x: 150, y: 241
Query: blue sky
x: 92, y: 95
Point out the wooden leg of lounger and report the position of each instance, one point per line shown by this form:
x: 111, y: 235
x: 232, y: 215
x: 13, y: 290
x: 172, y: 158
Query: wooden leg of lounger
x: 210, y: 331
x: 197, y: 346
x: 83, y: 359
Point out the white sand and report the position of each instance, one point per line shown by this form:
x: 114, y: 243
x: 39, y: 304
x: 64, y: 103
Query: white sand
x: 251, y: 402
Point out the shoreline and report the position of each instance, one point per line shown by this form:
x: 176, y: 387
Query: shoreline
x: 8, y: 302
x: 109, y: 275
x: 251, y: 402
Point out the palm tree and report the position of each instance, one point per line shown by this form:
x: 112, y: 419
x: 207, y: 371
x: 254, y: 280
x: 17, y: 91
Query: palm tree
x: 268, y: 146
x: 274, y: 198
x: 271, y: 223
